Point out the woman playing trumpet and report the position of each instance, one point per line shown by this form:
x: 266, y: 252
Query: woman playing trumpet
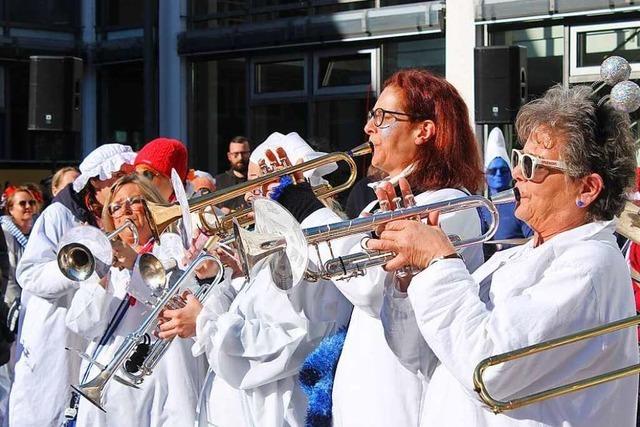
x: 43, y: 365
x: 572, y: 175
x: 104, y: 311
x: 420, y: 130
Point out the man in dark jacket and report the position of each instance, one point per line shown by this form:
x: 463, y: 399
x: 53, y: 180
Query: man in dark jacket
x: 238, y: 156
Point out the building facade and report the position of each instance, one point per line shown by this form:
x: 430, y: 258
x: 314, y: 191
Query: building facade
x: 204, y: 70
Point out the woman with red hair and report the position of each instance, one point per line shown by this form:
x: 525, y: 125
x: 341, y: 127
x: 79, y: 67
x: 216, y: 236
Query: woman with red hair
x: 420, y: 130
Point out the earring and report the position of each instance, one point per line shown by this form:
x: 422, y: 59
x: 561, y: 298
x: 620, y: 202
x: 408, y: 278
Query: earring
x: 580, y: 203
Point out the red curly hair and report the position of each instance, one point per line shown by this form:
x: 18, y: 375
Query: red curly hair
x: 452, y: 158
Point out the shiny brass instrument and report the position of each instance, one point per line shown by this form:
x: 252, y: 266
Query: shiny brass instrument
x: 285, y: 234
x: 93, y: 389
x: 85, y: 249
x: 498, y: 406
x: 160, y: 216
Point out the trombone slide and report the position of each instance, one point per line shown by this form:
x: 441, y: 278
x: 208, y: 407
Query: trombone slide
x: 498, y: 406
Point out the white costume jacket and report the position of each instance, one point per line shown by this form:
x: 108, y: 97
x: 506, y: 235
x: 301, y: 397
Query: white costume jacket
x: 44, y: 367
x: 371, y: 386
x: 257, y: 347
x: 167, y: 397
x: 576, y: 280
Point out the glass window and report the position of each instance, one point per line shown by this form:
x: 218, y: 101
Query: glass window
x: 225, y: 13
x: 595, y: 46
x: 280, y: 76
x: 121, y: 104
x: 282, y: 117
x: 120, y: 13
x: 59, y: 13
x: 427, y: 53
x: 348, y: 70
x: 545, y: 51
x: 218, y: 111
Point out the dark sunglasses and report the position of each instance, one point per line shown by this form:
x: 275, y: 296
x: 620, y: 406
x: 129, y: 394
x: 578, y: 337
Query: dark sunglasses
x: 23, y: 203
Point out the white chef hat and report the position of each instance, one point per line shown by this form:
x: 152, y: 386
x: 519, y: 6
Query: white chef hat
x: 102, y: 162
x: 297, y: 149
x: 495, y: 147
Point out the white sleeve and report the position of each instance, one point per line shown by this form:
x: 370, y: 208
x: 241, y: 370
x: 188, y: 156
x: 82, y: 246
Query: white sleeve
x: 403, y: 335
x: 365, y: 291
x: 462, y: 330
x: 88, y: 312
x: 38, y: 271
x: 250, y: 353
x: 217, y: 303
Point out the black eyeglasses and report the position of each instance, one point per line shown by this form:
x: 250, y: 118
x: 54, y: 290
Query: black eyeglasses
x: 378, y: 115
x: 503, y: 170
x: 24, y: 203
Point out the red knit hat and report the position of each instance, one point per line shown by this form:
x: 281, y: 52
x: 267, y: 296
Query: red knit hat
x: 164, y: 154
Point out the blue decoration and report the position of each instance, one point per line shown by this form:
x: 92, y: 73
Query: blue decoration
x: 277, y: 191
x: 316, y: 378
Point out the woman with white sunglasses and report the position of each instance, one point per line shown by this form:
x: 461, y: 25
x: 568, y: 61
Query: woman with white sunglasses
x: 572, y: 175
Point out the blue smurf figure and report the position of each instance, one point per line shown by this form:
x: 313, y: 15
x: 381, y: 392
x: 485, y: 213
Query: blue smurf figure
x: 499, y: 178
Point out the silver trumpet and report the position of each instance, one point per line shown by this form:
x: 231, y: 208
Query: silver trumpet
x: 154, y: 273
x: 285, y: 247
x: 85, y: 249
x: 92, y: 390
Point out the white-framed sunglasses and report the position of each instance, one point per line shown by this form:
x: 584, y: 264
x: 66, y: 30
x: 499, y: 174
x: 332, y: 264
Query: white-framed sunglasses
x: 529, y: 163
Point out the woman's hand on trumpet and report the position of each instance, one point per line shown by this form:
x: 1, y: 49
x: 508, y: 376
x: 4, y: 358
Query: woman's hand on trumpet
x: 414, y: 243
x: 206, y: 269
x: 275, y: 160
x: 180, y: 322
x: 124, y: 256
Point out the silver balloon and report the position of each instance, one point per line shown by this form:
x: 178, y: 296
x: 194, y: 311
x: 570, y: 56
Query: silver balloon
x: 615, y: 69
x: 625, y: 96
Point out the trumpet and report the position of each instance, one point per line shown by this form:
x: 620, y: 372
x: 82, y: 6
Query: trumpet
x: 85, y: 249
x: 154, y: 273
x: 285, y: 245
x: 160, y: 216
x: 93, y: 389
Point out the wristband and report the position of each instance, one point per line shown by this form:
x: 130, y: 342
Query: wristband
x: 440, y: 258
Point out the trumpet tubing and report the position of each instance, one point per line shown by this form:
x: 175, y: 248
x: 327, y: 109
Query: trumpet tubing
x: 355, y: 264
x: 160, y: 216
x: 76, y: 260
x: 160, y: 346
x: 93, y: 389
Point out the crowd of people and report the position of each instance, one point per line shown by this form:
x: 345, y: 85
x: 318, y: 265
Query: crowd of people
x: 395, y: 344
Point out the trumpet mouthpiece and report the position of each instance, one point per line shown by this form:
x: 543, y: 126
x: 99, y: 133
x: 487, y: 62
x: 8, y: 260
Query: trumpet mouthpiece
x: 507, y: 196
x: 361, y: 150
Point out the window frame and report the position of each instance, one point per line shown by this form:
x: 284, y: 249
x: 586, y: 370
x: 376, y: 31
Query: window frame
x: 374, y: 56
x: 592, y: 73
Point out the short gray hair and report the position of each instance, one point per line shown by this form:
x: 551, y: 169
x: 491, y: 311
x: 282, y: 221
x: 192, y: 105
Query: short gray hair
x: 598, y: 140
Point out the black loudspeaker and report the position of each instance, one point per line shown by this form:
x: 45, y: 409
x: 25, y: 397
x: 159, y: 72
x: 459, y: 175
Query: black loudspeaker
x: 54, y: 93
x: 500, y: 83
